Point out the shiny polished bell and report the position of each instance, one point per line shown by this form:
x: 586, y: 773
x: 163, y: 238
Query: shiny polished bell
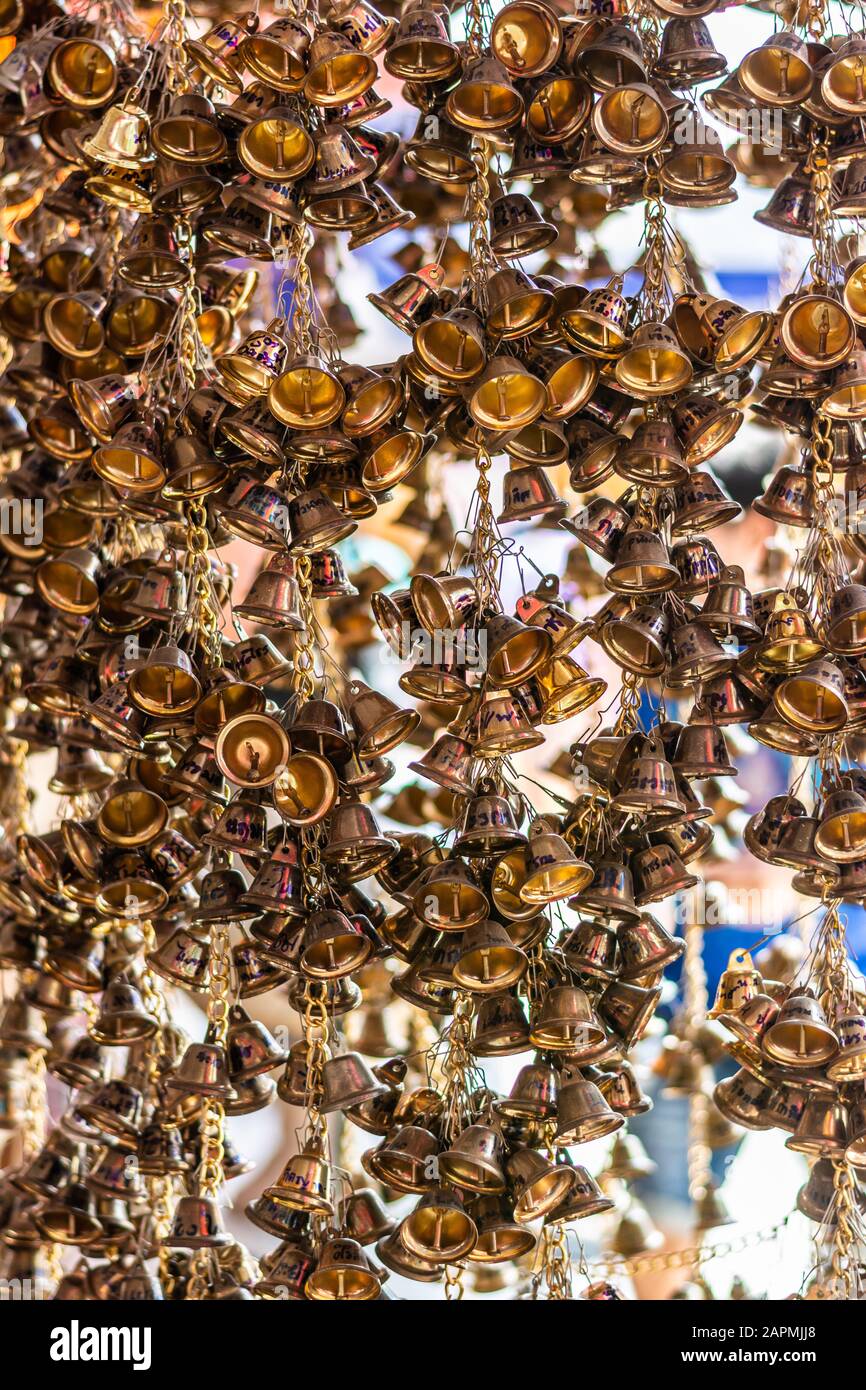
x: 814, y: 697
x: 348, y: 1081
x: 421, y: 49
x: 800, y: 1035
x: 485, y: 99
x: 506, y: 395
x: 539, y: 1185
x: 553, y: 870
x: 473, y: 1160
x: 337, y: 73
x: 197, y: 1225
x: 488, y: 960
x: 276, y: 54
x: 220, y: 51
x: 646, y: 946
x: 566, y: 1022
x: 610, y: 894
x: 488, y: 826
x: 333, y: 946
x: 822, y: 1129
x: 527, y: 492
x: 305, y: 1182
x: 841, y: 832
x: 165, y: 683
x: 439, y: 1229
x: 316, y: 522
x: 257, y: 363
x: 779, y: 72
x: 342, y: 1274
x: 582, y: 1113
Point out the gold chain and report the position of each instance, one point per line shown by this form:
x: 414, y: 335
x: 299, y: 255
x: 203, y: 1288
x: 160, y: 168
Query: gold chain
x: 648, y: 1263
x: 305, y: 651
x: 211, y: 1175
x: 174, y: 39
x: 843, y: 1262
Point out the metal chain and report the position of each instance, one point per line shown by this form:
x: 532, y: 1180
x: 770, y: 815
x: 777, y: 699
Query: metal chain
x: 191, y: 348
x: 485, y: 536
x: 317, y: 1032
x: 211, y: 1175
x: 843, y: 1261
x: 304, y: 647
x: 822, y: 188
x: 453, y: 1283
x: 481, y: 257
x: 648, y: 1263
x: 655, y: 247
x: 202, y: 613
x: 629, y: 703
x: 302, y: 294
x: 173, y: 39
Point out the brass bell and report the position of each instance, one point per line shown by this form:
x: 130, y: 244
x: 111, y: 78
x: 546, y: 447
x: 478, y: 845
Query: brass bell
x: 122, y: 1018
x: 553, y: 871
x: 526, y: 37
x: 488, y: 960
x: 599, y: 324
x: 517, y: 304
x: 652, y: 457
x: 566, y: 1022
x: 506, y: 395
x: 631, y: 119
x: 816, y: 330
x: 650, y: 786
x: 653, y: 364
x: 333, y: 946
x: 610, y: 894
x: 642, y: 564
x: 402, y: 1160
x: 337, y: 72
x: 276, y: 55
x: 197, y: 1225
x: 83, y: 72
x: 315, y: 522
x: 413, y: 298
x: 514, y: 651
x: 539, y: 1185
x: 849, y: 1064
x: 103, y: 403
x: 813, y: 698
x: 841, y: 832
x: 183, y: 959
x: 658, y: 873
x: 473, y: 1160
x: 778, y: 72
x: 342, y: 1274
x: 347, y: 1081
x: 275, y: 147
x: 220, y: 53
x: 485, y: 99
x: 800, y: 1034
x: 202, y: 1070
x: 582, y: 1113
x: 305, y: 1182
x: 822, y: 1128
x: 188, y: 132
x: 378, y: 724
x: 439, y: 1229
x: 257, y: 363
